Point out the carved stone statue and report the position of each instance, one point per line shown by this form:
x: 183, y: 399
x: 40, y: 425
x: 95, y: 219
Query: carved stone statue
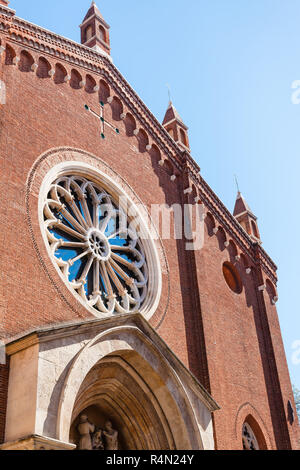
x: 85, y: 429
x: 111, y: 437
x: 98, y: 443
x: 92, y: 438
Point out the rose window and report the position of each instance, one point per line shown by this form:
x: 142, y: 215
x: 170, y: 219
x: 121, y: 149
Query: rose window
x: 94, y: 245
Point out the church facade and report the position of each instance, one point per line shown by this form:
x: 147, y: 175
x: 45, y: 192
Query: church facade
x: 118, y: 336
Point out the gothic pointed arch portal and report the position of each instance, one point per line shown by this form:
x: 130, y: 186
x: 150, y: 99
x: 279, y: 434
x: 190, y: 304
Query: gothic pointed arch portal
x: 114, y: 391
x: 121, y: 377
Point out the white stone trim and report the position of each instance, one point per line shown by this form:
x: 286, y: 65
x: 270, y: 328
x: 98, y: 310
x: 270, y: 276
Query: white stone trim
x: 188, y: 191
x: 189, y: 431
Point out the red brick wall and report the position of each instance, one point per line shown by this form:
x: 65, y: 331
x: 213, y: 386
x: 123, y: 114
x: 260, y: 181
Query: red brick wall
x: 232, y: 342
x: 248, y: 374
x: 40, y: 115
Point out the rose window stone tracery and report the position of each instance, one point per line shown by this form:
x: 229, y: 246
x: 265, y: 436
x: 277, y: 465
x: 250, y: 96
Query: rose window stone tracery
x: 94, y: 245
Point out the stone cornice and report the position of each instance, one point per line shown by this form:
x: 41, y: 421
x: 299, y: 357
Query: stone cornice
x: 77, y: 55
x: 7, y: 11
x: 36, y: 442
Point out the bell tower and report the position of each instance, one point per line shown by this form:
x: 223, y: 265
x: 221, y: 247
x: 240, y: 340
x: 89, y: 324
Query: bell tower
x: 95, y: 31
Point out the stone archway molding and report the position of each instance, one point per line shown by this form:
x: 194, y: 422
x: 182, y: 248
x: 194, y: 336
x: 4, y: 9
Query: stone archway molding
x: 245, y: 412
x: 187, y: 432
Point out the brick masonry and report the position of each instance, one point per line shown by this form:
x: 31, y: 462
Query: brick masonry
x: 231, y: 342
x: 4, y: 369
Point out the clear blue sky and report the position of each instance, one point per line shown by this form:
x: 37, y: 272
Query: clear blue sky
x: 230, y: 65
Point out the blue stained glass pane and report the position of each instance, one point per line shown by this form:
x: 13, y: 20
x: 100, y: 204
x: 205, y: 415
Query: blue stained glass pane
x: 118, y: 241
x: 79, y: 205
x: 125, y: 256
x: 75, y: 270
x: 65, y: 254
x: 90, y: 206
x: 59, y: 235
x: 102, y: 285
x: 111, y: 227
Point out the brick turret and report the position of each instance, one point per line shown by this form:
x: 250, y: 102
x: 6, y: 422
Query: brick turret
x: 175, y: 126
x: 95, y: 31
x: 246, y: 218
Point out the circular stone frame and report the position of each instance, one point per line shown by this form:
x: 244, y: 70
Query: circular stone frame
x: 87, y: 171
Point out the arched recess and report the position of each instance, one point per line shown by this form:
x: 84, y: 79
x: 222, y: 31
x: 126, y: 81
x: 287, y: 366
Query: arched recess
x: 194, y: 193
x: 76, y: 79
x: 10, y: 54
x: 168, y: 167
x: 60, y: 74
x: 44, y: 68
x: 90, y: 84
x: 221, y: 236
x: 155, y: 154
x: 142, y: 140
x: 210, y: 224
x: 245, y: 261
x: 271, y: 290
x: 232, y: 249
x: 130, y: 124
x: 26, y: 61
x: 104, y: 91
x: 116, y: 108
x: 248, y: 414
x: 157, y: 386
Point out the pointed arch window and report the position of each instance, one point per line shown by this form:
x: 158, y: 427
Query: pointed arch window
x: 254, y: 229
x: 249, y: 438
x: 102, y: 33
x: 88, y: 33
x: 183, y: 137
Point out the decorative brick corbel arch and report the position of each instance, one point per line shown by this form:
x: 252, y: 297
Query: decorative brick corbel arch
x: 248, y: 414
